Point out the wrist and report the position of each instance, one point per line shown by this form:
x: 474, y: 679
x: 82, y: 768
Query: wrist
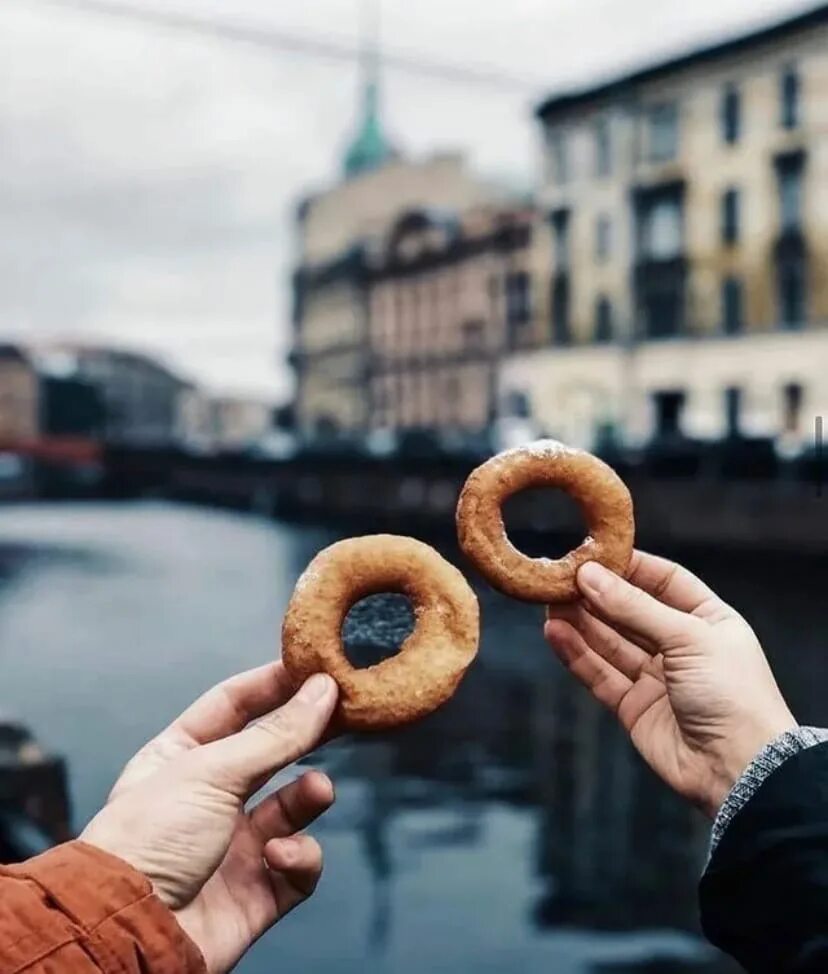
x: 732, y: 755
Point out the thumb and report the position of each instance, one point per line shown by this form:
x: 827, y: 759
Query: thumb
x: 631, y: 608
x: 242, y: 762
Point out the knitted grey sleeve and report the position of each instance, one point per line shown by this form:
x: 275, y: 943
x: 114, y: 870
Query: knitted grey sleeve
x: 764, y: 764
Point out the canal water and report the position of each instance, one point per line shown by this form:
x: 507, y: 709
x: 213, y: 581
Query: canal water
x: 514, y: 830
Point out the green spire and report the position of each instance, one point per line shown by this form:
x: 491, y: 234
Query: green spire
x: 369, y: 148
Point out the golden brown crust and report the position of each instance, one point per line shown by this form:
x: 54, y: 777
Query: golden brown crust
x: 599, y: 491
x: 431, y: 661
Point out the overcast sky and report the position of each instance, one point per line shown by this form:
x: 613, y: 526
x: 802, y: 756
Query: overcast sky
x: 147, y: 176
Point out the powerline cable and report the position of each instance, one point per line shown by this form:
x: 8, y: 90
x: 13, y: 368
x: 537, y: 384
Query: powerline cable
x: 302, y: 44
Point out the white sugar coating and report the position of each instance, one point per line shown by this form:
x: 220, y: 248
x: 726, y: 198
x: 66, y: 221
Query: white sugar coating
x: 546, y: 449
x: 308, y: 577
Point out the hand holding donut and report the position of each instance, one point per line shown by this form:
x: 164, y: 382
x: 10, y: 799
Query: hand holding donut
x: 177, y: 813
x: 681, y: 669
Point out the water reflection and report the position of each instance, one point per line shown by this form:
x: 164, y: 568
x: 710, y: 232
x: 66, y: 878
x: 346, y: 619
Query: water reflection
x: 511, y: 830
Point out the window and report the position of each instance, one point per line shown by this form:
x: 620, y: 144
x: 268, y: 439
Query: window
x: 731, y: 114
x: 560, y: 310
x: 517, y: 404
x: 792, y: 396
x: 560, y: 231
x: 731, y: 305
x: 733, y: 410
x: 791, y: 274
x: 789, y: 181
x: 730, y: 216
x: 662, y: 129
x: 603, y: 237
x: 660, y: 271
x: 451, y: 390
x: 518, y: 298
x: 558, y: 156
x: 661, y: 230
x: 668, y: 406
x: 789, y: 88
x: 474, y: 334
x: 603, y: 149
x: 603, y: 320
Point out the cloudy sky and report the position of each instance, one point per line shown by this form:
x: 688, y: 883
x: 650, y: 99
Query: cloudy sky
x: 147, y: 175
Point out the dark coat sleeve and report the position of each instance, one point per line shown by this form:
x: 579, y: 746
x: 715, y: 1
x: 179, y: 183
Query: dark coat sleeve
x: 764, y: 894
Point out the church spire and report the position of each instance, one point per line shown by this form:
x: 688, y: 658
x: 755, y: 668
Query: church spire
x: 369, y: 147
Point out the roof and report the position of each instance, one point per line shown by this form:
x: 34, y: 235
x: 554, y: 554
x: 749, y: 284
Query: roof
x: 567, y: 100
x: 65, y: 358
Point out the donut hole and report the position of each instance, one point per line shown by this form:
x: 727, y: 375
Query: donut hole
x: 376, y: 627
x: 543, y: 522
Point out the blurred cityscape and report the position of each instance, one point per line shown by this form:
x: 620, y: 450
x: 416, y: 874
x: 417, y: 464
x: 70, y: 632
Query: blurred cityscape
x: 660, y: 296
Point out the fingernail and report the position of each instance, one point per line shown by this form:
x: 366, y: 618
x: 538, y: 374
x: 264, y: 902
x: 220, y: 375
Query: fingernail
x: 315, y: 689
x: 550, y: 629
x: 594, y: 578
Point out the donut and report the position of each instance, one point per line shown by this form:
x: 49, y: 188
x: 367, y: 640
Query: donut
x: 600, y: 493
x: 430, y: 663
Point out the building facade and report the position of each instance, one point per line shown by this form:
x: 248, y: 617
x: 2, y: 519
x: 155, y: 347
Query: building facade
x: 448, y: 294
x: 19, y: 396
x: 340, y: 232
x: 688, y: 280
x: 139, y: 396
x: 240, y: 423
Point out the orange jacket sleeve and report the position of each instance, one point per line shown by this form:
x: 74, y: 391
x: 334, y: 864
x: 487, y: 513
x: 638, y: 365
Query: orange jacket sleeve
x: 78, y: 910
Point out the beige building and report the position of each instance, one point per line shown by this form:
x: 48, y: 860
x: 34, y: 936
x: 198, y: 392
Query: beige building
x: 239, y: 422
x: 449, y: 292
x: 19, y: 396
x: 207, y: 422
x: 339, y: 232
x: 688, y: 285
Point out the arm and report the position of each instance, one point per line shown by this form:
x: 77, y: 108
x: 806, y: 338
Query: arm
x: 77, y: 909
x: 764, y: 893
x: 682, y: 670
x: 178, y: 873
x: 688, y: 680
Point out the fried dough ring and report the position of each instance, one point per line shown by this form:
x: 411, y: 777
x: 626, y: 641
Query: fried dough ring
x: 430, y: 663
x: 599, y: 491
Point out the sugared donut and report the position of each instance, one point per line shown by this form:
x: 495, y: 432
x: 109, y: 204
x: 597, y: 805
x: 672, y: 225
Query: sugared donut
x: 599, y: 491
x: 431, y: 661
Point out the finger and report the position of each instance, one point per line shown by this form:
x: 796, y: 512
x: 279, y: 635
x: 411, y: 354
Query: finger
x: 603, y: 681
x: 244, y: 761
x: 296, y: 865
x: 233, y: 704
x: 670, y: 583
x: 293, y: 807
x: 224, y: 709
x: 560, y: 611
x: 624, y: 654
x: 625, y: 698
x: 624, y: 605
